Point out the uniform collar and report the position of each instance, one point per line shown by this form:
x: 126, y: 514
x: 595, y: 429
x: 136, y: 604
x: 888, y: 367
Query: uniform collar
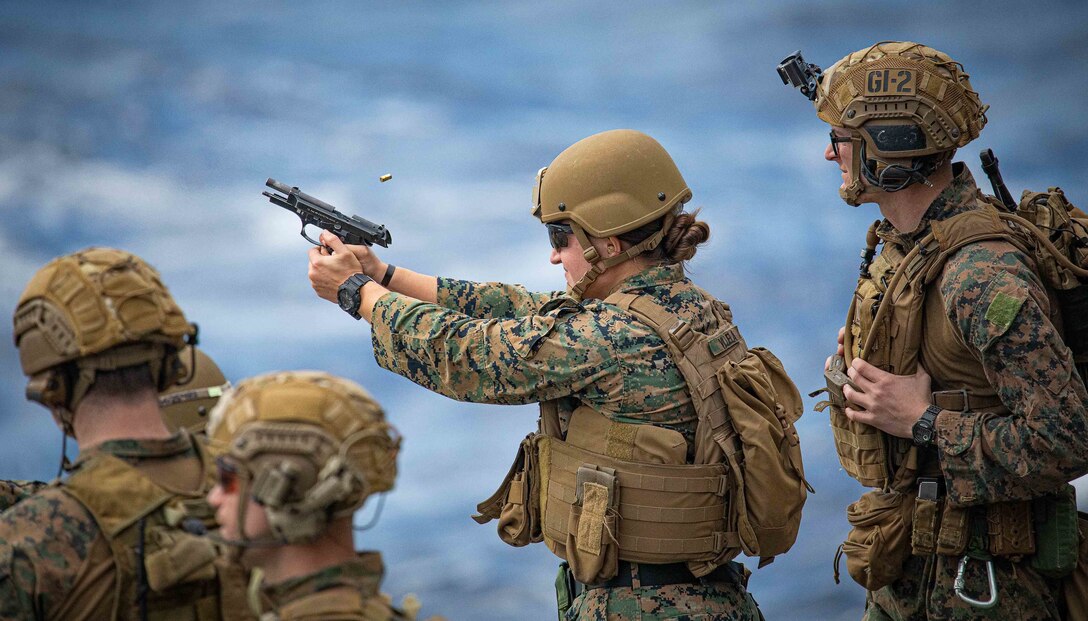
x: 177, y: 444
x: 363, y: 574
x: 653, y: 276
x: 958, y: 197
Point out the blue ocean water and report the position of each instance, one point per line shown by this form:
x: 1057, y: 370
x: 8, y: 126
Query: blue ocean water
x: 151, y: 126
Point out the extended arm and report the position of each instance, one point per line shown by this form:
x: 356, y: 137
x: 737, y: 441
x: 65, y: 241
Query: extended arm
x: 504, y: 361
x: 480, y: 300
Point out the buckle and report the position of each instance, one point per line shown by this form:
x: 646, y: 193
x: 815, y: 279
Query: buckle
x: 723, y: 485
x: 952, y: 400
x: 682, y: 335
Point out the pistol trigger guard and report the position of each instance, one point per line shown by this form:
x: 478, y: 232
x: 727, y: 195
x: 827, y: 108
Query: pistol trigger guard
x: 311, y: 240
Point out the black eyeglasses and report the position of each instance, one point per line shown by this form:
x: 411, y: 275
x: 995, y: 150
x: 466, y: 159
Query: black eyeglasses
x: 557, y: 234
x: 836, y: 139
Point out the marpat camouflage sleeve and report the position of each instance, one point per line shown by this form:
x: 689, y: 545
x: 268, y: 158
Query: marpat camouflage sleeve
x: 12, y: 491
x: 1001, y: 310
x: 503, y: 361
x: 491, y: 300
x: 45, y: 541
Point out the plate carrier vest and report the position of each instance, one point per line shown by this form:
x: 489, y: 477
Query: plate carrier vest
x: 597, y: 491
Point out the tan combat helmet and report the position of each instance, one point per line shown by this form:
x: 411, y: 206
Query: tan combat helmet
x: 186, y: 405
x: 307, y: 446
x: 95, y: 310
x: 902, y: 101
x: 608, y: 184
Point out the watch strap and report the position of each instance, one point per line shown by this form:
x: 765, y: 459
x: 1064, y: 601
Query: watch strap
x: 926, y: 424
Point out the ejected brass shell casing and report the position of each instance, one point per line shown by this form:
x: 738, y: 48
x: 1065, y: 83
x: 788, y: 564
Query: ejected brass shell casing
x: 385, y: 178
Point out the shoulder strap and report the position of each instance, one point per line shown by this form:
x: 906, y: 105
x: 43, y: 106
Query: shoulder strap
x: 924, y: 263
x: 698, y: 357
x: 128, y: 496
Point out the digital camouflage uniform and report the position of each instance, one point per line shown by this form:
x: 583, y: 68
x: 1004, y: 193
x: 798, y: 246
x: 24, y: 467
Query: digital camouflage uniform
x: 50, y: 544
x: 497, y: 343
x: 345, y: 592
x: 12, y: 492
x: 1003, y: 321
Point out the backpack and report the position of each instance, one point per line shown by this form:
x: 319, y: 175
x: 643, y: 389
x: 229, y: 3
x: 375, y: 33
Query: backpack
x: 1060, y: 249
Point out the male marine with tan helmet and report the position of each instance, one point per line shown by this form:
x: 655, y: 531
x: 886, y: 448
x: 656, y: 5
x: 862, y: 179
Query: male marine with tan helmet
x: 636, y: 476
x: 98, y: 336
x: 300, y: 452
x: 960, y: 404
x: 183, y: 406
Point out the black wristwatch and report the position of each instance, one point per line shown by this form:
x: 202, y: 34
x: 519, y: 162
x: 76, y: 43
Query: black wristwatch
x: 924, y: 431
x: 348, y: 295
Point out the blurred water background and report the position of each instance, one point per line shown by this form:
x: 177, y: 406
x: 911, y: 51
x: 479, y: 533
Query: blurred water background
x: 152, y: 126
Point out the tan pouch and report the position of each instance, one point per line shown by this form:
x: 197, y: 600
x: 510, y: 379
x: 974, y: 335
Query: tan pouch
x: 1075, y: 585
x: 769, y: 486
x: 183, y: 558
x: 952, y: 539
x: 879, y: 542
x: 514, y: 518
x: 923, y: 539
x: 592, y: 544
x: 515, y: 503
x: 1010, y: 529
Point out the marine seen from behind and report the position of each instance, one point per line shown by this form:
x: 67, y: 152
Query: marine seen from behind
x: 300, y: 452
x: 183, y: 405
x: 954, y: 393
x: 98, y: 336
x: 665, y: 447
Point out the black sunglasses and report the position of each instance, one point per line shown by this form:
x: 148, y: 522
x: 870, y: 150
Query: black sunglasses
x: 836, y: 140
x: 557, y: 234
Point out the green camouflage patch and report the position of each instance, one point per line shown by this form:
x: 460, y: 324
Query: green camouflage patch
x: 1003, y: 310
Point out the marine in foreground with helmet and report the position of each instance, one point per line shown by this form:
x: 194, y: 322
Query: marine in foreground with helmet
x: 98, y: 336
x: 960, y: 401
x: 634, y: 478
x: 299, y: 453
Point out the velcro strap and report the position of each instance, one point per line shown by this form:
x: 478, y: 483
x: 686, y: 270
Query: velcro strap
x: 595, y: 499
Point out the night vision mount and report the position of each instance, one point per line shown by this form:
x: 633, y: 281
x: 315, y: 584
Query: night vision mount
x: 797, y: 73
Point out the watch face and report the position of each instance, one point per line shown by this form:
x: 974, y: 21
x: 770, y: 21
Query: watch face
x: 343, y: 297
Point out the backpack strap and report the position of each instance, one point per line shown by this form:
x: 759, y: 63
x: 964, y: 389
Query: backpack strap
x: 698, y: 358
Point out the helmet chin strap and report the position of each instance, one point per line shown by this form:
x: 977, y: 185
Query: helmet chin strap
x: 889, y: 176
x: 852, y: 193
x: 244, y: 541
x: 598, y: 264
